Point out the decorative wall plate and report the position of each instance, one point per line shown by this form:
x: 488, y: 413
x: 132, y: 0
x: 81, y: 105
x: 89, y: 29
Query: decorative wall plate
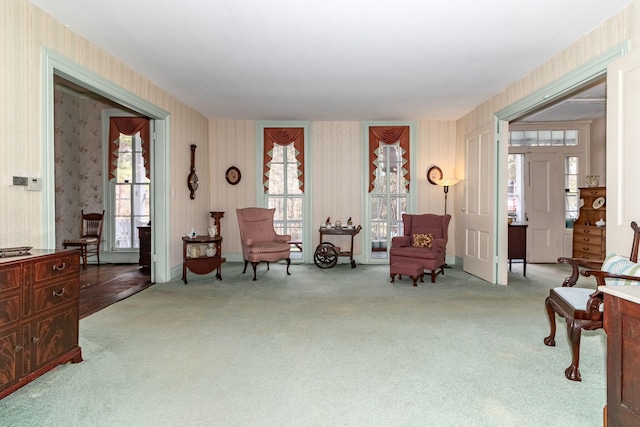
x: 233, y: 175
x: 598, y: 203
x: 434, y: 174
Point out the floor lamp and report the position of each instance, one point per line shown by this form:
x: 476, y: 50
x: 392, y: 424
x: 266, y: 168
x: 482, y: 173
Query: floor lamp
x: 446, y: 183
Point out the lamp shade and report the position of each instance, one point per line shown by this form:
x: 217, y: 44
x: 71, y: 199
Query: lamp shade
x: 447, y: 182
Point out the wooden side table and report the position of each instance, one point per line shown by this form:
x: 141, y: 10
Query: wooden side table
x: 518, y: 245
x: 195, y: 258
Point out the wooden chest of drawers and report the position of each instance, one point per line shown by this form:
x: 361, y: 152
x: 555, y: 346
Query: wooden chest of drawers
x: 589, y: 240
x: 39, y: 315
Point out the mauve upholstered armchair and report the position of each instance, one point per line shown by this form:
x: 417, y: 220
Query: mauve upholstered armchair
x: 260, y: 242
x: 409, y: 248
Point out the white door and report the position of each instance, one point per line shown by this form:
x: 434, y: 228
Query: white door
x: 479, y: 207
x: 544, y: 211
x: 623, y: 151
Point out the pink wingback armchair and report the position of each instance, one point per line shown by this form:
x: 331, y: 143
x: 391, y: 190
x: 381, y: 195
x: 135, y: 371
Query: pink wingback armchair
x: 260, y: 242
x: 433, y: 258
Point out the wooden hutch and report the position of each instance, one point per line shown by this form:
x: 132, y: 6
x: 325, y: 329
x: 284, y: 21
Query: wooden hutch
x: 589, y: 240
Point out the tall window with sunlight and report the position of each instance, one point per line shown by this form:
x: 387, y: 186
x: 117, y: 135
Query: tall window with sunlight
x: 131, y: 191
x: 284, y: 193
x: 388, y: 199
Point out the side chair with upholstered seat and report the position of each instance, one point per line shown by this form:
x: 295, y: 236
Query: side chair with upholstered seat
x: 259, y: 240
x: 583, y: 308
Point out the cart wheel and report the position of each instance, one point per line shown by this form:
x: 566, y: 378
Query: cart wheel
x: 325, y: 256
x: 353, y: 264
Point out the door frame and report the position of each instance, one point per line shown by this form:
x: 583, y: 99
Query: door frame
x: 54, y: 63
x: 570, y: 82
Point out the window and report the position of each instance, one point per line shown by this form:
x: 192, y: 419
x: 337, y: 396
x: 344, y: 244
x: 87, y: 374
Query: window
x: 130, y: 190
x: 571, y: 206
x: 515, y: 191
x: 284, y: 193
x: 388, y: 198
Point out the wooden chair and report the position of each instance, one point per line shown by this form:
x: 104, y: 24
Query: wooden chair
x: 90, y: 236
x: 259, y: 240
x: 581, y: 307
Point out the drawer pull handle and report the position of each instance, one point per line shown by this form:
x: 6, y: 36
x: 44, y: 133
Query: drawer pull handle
x: 58, y: 294
x: 64, y: 265
x: 18, y: 348
x: 586, y: 231
x: 35, y: 340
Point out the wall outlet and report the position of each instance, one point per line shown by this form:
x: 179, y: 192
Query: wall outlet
x: 20, y: 180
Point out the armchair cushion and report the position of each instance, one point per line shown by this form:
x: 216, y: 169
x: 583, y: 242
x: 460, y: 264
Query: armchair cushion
x: 422, y: 240
x: 619, y: 265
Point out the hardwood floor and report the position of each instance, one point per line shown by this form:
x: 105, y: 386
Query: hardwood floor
x: 101, y: 286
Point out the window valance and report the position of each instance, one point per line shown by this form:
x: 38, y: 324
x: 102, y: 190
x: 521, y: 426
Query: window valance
x: 283, y: 136
x: 128, y: 126
x: 388, y: 135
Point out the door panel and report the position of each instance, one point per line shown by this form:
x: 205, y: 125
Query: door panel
x: 623, y: 150
x: 479, y: 210
x: 544, y: 213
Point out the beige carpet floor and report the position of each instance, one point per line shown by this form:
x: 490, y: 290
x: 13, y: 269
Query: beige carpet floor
x: 335, y: 347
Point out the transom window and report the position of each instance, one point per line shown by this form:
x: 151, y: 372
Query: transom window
x: 543, y: 138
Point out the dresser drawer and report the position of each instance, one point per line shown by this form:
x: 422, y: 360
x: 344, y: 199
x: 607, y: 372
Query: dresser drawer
x: 9, y: 309
x: 588, y: 256
x: 588, y: 229
x: 587, y: 239
x: 53, y: 295
x: 10, y: 277
x: 52, y: 268
x: 593, y: 192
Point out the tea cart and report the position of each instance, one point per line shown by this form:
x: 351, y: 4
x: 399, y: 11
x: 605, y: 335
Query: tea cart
x: 326, y: 254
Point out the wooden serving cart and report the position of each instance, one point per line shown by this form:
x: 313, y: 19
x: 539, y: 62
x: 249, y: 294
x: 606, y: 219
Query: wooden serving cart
x: 326, y: 254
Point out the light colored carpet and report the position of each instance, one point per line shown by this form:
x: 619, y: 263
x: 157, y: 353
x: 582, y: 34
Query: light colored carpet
x: 335, y: 347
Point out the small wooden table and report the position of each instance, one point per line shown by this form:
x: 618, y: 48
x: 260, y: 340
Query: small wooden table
x: 202, y: 264
x: 517, y: 249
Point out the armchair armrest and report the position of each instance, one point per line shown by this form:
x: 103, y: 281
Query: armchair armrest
x: 439, y: 244
x: 400, y: 241
x: 601, y: 275
x: 576, y: 264
x: 282, y: 238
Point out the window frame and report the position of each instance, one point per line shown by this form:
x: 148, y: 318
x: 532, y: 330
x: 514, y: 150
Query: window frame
x: 261, y: 196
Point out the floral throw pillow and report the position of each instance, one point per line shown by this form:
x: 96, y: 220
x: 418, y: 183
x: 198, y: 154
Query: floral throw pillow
x: 618, y: 265
x: 422, y: 240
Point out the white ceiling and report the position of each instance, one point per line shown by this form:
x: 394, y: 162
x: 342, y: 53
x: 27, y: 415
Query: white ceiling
x: 332, y: 59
